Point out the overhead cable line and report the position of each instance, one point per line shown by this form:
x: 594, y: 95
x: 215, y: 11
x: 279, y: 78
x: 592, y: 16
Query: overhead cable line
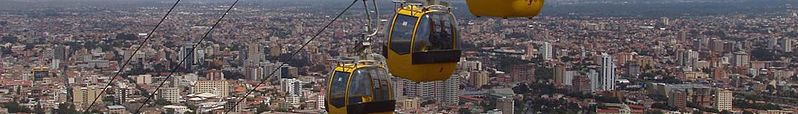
x: 193, y: 47
x: 292, y: 55
x: 131, y: 56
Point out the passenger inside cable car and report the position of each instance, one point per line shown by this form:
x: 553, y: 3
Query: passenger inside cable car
x: 422, y: 44
x: 434, y: 33
x: 368, y: 91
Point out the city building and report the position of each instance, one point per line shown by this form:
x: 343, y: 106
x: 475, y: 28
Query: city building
x: 447, y: 91
x: 582, y: 84
x: 186, y: 55
x: 117, y: 109
x: 506, y: 105
x: 478, y: 79
x: 568, y: 78
x: 215, y: 74
x: 144, y: 79
x: 546, y: 51
x: 522, y: 73
x: 723, y: 99
x: 504, y: 99
x: 607, y: 76
x: 220, y: 88
x: 171, y: 94
x: 787, y: 45
x: 740, y: 59
x: 678, y: 99
x: 293, y: 89
x: 559, y: 74
x: 595, y: 80
x: 82, y: 97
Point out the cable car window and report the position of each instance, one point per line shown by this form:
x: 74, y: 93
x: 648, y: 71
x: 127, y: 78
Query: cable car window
x: 360, y: 86
x: 439, y: 34
x: 338, y: 89
x: 421, y: 41
x: 381, y: 89
x: 402, y: 33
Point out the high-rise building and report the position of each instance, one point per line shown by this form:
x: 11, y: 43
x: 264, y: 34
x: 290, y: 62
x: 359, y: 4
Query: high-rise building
x: 171, y: 94
x: 607, y: 72
x: 678, y: 99
x: 216, y: 87
x: 568, y: 78
x: 82, y: 97
x: 522, y: 73
x: 478, y: 79
x: 187, y: 53
x: 723, y: 99
x: 633, y: 70
x: 546, y: 51
x: 595, y: 80
x: 717, y: 45
x: 582, y: 84
x: 253, y: 53
x: 215, y: 74
x: 451, y: 88
x: 471, y: 65
x: 199, y: 57
x: 740, y: 59
x: 506, y: 105
x: 787, y: 44
x: 121, y: 94
x: 293, y: 89
x: 530, y: 50
x: 446, y: 91
x: 701, y: 97
x: 253, y: 72
x: 60, y: 52
x: 688, y: 58
x: 144, y: 79
x: 559, y: 74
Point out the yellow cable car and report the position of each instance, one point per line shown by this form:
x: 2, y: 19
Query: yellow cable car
x: 358, y: 89
x: 423, y: 43
x: 505, y: 8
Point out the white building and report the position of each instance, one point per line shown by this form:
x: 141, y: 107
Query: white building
x: 546, y: 51
x: 786, y: 44
x: 595, y: 80
x: 293, y: 89
x: 446, y: 91
x: 723, y: 100
x: 607, y: 72
x: 568, y: 78
x: 216, y: 87
x: 171, y: 94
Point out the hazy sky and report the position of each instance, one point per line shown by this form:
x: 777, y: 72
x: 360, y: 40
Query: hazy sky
x: 653, y: 8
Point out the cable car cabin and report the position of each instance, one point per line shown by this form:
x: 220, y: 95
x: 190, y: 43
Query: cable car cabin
x: 505, y: 8
x: 423, y: 44
x: 359, y: 89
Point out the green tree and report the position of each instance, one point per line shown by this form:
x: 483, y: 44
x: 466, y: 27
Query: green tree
x: 698, y: 112
x: 262, y: 108
x: 14, y: 107
x: 162, y: 102
x: 464, y: 111
x: 725, y: 112
x: 66, y: 108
